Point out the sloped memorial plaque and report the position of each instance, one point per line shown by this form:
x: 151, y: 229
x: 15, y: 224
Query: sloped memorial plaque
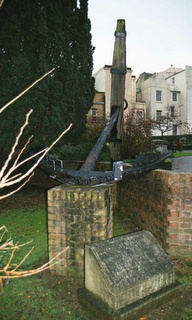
x: 125, y: 274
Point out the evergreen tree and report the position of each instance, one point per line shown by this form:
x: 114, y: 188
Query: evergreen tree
x: 35, y: 37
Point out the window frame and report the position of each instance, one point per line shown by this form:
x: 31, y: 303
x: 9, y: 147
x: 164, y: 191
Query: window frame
x: 174, y: 132
x: 172, y: 109
x: 158, y: 115
x: 139, y: 115
x: 174, y: 96
x: 158, y: 96
x: 94, y: 114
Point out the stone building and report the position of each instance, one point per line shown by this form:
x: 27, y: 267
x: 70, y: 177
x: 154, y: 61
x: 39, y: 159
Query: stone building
x: 151, y: 96
x: 101, y: 105
x: 97, y: 111
x: 167, y: 93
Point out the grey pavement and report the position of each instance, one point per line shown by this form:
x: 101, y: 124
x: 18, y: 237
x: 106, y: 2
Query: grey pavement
x: 182, y: 164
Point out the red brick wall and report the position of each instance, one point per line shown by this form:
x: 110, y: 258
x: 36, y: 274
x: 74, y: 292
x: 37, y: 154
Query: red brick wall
x: 161, y: 202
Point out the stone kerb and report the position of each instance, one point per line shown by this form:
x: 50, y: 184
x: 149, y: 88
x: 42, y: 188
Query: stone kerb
x: 77, y: 215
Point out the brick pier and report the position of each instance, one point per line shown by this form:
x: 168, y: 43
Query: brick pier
x: 77, y: 215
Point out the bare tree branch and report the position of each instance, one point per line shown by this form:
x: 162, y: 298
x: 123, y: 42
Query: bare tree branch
x: 15, y: 145
x: 27, y: 89
x: 8, y: 178
x: 167, y: 121
x: 8, y: 271
x: 17, y: 189
x: 1, y: 2
x: 5, y: 178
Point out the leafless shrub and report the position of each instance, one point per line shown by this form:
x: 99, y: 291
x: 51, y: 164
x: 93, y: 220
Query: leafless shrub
x: 136, y: 137
x: 9, y: 176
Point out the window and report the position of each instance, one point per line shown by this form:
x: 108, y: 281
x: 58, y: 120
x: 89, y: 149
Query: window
x: 174, y: 96
x: 174, y: 129
x: 173, y: 80
x: 172, y: 111
x: 94, y: 114
x: 139, y: 115
x: 136, y: 115
x: 158, y: 95
x: 158, y: 115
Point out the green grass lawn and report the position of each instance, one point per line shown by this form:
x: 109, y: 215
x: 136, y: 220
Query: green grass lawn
x: 173, y: 155
x: 24, y: 226
x: 181, y: 154
x: 42, y: 296
x: 47, y: 297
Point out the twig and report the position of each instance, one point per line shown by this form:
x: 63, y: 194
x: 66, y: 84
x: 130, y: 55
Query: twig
x: 9, y: 272
x: 14, y: 147
x: 25, y: 257
x: 20, y: 274
x: 5, y: 230
x: 6, y: 179
x: 1, y: 2
x: 27, y: 89
x: 16, y: 190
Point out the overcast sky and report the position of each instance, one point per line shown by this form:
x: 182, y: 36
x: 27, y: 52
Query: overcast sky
x: 159, y: 33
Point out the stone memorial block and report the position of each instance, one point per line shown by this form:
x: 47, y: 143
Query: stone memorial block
x: 123, y: 270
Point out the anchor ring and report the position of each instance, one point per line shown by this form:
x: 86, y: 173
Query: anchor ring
x: 126, y: 105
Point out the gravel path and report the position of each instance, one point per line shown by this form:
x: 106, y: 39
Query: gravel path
x: 182, y: 164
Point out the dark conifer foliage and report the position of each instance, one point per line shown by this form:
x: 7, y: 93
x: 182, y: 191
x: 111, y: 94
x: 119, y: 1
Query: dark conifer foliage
x: 36, y: 36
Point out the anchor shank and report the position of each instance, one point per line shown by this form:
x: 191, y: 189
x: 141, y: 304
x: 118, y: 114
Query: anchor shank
x: 92, y: 158
x: 118, y: 73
